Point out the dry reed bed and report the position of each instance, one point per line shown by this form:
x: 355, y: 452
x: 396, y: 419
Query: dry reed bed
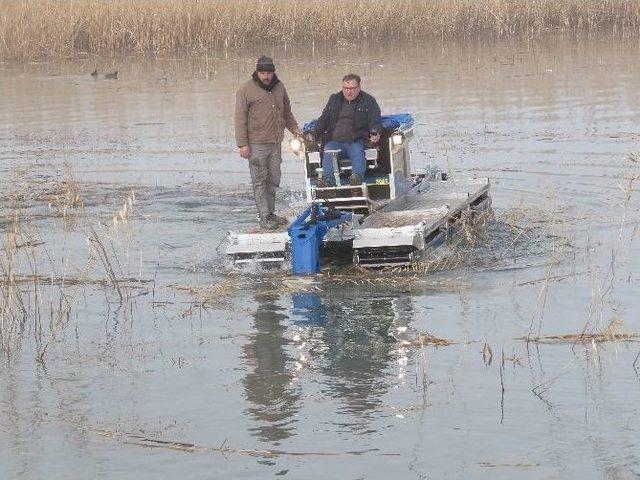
x: 54, y: 28
x: 40, y: 276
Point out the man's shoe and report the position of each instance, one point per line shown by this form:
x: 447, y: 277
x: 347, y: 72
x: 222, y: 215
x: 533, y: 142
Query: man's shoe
x: 267, y: 223
x: 277, y: 218
x: 355, y: 180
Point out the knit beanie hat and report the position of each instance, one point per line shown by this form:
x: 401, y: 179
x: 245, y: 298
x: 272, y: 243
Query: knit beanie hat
x: 265, y: 64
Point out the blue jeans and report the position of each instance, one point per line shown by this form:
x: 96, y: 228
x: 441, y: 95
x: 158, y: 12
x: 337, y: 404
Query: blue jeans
x: 353, y: 150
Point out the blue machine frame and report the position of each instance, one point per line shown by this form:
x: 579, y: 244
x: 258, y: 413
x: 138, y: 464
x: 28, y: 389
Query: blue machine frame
x: 307, y: 233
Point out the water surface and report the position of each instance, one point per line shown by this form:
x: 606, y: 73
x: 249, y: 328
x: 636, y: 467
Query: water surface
x: 261, y: 374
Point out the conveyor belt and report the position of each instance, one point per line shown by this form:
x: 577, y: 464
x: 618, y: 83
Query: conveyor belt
x: 435, y: 203
x: 398, y: 233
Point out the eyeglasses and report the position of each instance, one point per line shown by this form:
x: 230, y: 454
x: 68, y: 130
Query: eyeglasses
x: 351, y: 88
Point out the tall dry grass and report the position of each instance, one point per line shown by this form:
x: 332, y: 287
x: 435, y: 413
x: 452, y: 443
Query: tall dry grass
x: 53, y: 28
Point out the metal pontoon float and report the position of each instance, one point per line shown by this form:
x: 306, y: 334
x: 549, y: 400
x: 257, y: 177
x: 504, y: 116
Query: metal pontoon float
x: 390, y: 220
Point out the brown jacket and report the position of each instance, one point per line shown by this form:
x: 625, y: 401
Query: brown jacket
x: 262, y: 116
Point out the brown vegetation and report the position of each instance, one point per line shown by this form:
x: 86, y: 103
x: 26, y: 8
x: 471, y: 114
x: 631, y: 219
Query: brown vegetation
x: 54, y: 28
x: 41, y: 278
x: 144, y: 440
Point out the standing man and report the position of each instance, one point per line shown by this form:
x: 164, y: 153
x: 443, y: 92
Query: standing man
x: 349, y: 118
x: 263, y: 110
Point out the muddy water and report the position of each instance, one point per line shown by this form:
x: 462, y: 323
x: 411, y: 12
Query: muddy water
x: 159, y: 364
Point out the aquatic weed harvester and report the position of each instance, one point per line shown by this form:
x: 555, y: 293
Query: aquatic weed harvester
x: 390, y: 220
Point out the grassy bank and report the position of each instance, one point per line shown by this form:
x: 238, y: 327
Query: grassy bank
x: 57, y: 28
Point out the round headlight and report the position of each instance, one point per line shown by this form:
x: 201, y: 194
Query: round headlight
x: 397, y: 139
x: 295, y: 145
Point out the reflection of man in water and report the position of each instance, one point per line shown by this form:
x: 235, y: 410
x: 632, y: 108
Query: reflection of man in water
x: 350, y: 117
x: 263, y: 110
x: 273, y: 402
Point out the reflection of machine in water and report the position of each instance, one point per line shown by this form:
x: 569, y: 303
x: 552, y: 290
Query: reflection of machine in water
x: 352, y: 342
x: 274, y: 401
x: 359, y: 342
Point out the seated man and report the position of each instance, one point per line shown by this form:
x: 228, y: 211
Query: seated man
x: 349, y: 117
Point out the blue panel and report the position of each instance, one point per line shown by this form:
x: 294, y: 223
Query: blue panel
x: 397, y: 120
x: 307, y: 232
x: 389, y: 122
